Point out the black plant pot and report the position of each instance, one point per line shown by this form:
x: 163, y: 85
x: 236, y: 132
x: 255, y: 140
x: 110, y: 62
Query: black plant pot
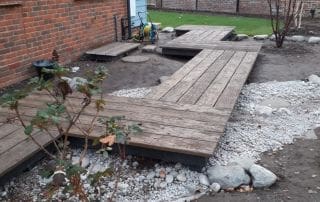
x: 40, y: 64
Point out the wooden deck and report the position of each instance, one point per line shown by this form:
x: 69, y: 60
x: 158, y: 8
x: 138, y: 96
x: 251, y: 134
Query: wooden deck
x: 185, y: 115
x: 196, y: 38
x: 113, y: 50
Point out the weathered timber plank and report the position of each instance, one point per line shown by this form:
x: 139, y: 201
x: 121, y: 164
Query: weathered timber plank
x: 12, y: 139
x: 206, y: 27
x: 186, y: 122
x: 137, y: 105
x: 230, y: 95
x: 213, y: 92
x: 174, y: 94
x: 7, y: 129
x: 161, y: 90
x: 113, y: 49
x: 21, y: 152
x: 218, y: 45
x: 195, y: 92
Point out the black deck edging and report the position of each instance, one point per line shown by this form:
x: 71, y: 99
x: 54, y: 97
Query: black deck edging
x: 26, y: 165
x: 194, y: 163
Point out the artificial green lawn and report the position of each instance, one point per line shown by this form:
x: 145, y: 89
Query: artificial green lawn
x: 244, y: 25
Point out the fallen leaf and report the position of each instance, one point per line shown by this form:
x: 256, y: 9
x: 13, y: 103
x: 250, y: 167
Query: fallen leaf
x: 109, y: 140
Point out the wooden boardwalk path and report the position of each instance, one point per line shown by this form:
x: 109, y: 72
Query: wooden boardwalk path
x: 185, y: 115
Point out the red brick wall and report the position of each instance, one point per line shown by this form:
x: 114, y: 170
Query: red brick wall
x: 32, y: 30
x: 179, y: 4
x: 226, y: 6
x: 254, y: 7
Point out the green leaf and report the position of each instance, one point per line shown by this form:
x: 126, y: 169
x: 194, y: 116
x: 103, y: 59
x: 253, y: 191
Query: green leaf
x: 28, y: 130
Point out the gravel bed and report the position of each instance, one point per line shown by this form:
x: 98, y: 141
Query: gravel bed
x: 266, y: 116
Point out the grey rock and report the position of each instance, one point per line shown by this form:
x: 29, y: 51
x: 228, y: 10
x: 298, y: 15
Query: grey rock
x: 163, y: 185
x: 261, y: 37
x: 241, y: 37
x: 215, y: 187
x: 310, y: 135
x: 244, y: 162
x: 204, y: 180
x: 174, y: 173
x: 314, y: 79
x: 228, y: 176
x: 182, y: 177
x: 169, y: 179
x: 262, y: 177
x: 168, y: 29
x: 297, y: 38
x: 314, y: 39
x: 178, y: 166
x: 151, y: 175
x: 149, y: 48
x: 135, y: 59
x: 135, y: 164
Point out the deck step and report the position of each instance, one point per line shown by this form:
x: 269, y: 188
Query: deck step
x: 115, y: 49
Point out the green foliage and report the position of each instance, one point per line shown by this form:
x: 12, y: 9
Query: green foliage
x: 94, y: 178
x: 11, y: 99
x: 51, y: 115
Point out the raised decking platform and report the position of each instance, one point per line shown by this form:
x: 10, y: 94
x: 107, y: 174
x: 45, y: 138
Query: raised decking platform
x: 182, y: 119
x: 112, y: 50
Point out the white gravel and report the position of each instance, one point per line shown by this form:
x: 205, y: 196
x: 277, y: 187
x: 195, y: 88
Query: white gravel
x: 135, y: 93
x: 293, y: 110
x: 249, y: 133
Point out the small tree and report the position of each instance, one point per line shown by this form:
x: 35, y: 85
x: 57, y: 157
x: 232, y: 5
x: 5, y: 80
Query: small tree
x: 282, y: 14
x: 60, y: 115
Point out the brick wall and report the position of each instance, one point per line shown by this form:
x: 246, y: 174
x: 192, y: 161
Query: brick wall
x: 252, y: 7
x: 32, y: 30
x: 226, y: 6
x: 179, y: 4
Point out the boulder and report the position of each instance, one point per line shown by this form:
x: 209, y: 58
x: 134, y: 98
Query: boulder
x: 228, y: 176
x: 262, y: 177
x: 168, y: 29
x: 314, y: 79
x: 261, y: 37
x: 203, y: 179
x: 298, y: 38
x: 314, y: 39
x: 241, y: 37
x: 244, y: 162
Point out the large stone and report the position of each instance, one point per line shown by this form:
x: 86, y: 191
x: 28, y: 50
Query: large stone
x: 298, y: 38
x: 135, y: 59
x: 261, y: 37
x: 262, y: 177
x: 168, y: 29
x: 314, y: 39
x: 244, y: 162
x: 228, y: 176
x: 314, y: 79
x: 203, y: 179
x: 149, y: 48
x: 241, y: 37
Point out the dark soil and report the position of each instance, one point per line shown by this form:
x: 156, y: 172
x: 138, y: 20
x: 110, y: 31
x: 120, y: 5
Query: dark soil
x: 309, y: 27
x: 295, y: 61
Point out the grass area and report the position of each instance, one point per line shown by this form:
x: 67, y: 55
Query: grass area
x: 244, y: 25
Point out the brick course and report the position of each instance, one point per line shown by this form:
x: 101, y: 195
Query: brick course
x: 252, y: 7
x: 32, y: 30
